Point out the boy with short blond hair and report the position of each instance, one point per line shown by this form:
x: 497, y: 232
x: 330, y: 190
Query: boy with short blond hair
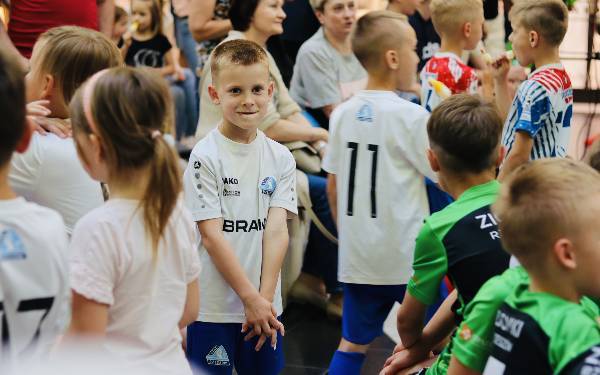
x: 240, y: 188
x: 460, y: 26
x: 377, y: 151
x: 538, y: 123
x: 548, y: 212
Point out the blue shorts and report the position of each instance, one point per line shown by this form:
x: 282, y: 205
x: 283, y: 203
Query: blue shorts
x: 365, y: 309
x: 216, y: 348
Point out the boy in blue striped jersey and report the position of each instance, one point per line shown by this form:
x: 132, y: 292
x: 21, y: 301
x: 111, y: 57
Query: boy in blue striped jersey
x: 538, y: 122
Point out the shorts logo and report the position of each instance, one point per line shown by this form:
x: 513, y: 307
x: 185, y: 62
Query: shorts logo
x: 267, y: 185
x: 11, y: 245
x: 217, y: 356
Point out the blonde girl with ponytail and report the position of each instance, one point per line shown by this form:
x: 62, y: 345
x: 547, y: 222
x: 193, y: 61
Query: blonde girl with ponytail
x: 134, y: 267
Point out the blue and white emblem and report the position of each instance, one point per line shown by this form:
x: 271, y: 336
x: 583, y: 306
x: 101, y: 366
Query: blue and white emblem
x: 11, y: 245
x: 267, y: 185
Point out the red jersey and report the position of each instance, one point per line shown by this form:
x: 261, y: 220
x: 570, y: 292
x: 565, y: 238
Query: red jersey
x: 30, y: 18
x: 447, y: 68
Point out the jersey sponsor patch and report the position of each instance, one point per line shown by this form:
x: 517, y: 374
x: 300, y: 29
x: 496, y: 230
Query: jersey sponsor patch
x: 11, y: 245
x: 267, y: 185
x: 218, y: 356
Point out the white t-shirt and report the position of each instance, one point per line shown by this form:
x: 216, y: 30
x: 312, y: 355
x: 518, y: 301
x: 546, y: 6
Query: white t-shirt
x: 34, y: 281
x: 49, y: 173
x: 238, y: 183
x: 112, y: 264
x: 377, y: 150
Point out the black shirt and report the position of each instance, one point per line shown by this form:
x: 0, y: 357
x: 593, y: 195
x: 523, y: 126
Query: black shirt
x: 428, y: 40
x: 150, y: 53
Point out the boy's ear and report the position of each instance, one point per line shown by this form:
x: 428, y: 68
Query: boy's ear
x: 467, y: 29
x: 433, y: 160
x: 534, y: 38
x: 270, y: 89
x: 48, y: 86
x: 26, y: 137
x: 564, y: 253
x: 392, y: 59
x: 214, y: 95
x: 501, y: 155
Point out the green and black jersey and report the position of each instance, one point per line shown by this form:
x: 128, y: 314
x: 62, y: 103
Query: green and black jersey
x: 462, y: 241
x: 540, y: 333
x: 472, y: 341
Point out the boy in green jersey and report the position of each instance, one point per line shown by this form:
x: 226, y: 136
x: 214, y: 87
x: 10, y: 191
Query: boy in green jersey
x: 462, y: 240
x: 548, y: 213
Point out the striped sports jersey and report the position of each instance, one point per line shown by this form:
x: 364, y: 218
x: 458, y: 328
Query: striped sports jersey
x: 447, y: 68
x: 542, y: 108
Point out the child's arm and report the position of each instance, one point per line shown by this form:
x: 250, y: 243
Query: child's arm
x: 275, y: 242
x: 88, y: 317
x: 192, y: 305
x: 501, y: 90
x: 332, y: 195
x: 518, y: 155
x: 169, y: 67
x: 258, y: 310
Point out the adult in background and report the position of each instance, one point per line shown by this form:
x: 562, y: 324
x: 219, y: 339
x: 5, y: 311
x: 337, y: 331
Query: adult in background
x: 326, y: 71
x: 185, y: 41
x: 29, y: 19
x: 257, y: 21
x: 209, y: 24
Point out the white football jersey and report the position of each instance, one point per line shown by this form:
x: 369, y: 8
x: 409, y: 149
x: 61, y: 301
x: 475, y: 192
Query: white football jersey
x: 377, y: 150
x: 238, y: 183
x: 34, y: 281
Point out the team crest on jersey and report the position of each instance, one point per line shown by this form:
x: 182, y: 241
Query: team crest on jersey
x: 267, y: 185
x: 11, y: 245
x: 365, y: 113
x: 217, y: 356
x: 466, y: 333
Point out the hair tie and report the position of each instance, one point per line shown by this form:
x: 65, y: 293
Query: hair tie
x: 155, y: 134
x: 88, y: 90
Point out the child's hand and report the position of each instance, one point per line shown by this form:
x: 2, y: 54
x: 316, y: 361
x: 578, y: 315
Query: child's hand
x: 127, y: 39
x: 56, y: 126
x: 38, y: 108
x: 500, y: 69
x: 179, y: 74
x: 261, y: 316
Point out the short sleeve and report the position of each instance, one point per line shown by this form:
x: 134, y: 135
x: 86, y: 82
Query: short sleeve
x: 415, y: 148
x: 535, y: 110
x: 164, y: 44
x: 429, y: 266
x: 284, y: 195
x: 93, y: 262
x: 318, y: 76
x: 332, y: 156
x: 201, y: 191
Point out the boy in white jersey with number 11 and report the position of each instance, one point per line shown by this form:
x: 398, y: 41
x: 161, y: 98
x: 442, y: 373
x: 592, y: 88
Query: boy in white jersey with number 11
x: 376, y: 160
x: 240, y: 188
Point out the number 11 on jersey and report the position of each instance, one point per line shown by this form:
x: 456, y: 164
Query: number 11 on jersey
x: 354, y: 150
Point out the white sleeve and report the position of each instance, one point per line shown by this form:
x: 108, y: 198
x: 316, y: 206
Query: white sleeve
x: 93, y: 262
x: 415, y: 148
x: 201, y: 189
x: 284, y: 195
x: 331, y: 161
x: 25, y: 169
x: 192, y: 259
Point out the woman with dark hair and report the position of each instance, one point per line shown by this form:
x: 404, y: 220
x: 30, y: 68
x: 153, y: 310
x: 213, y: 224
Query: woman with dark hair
x: 258, y: 20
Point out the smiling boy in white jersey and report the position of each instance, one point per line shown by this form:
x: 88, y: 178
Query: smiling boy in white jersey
x: 240, y: 188
x: 376, y: 163
x: 539, y: 121
x: 34, y: 286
